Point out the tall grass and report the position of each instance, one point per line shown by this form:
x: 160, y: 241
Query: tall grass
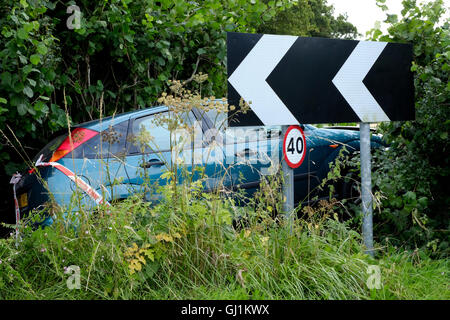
x: 196, y: 253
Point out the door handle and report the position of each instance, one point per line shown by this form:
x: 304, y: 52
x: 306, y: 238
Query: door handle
x: 245, y: 152
x: 151, y: 163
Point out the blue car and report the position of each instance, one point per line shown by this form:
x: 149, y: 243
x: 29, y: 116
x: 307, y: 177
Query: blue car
x: 105, y: 156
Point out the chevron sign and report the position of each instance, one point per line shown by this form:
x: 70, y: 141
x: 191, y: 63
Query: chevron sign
x: 291, y: 80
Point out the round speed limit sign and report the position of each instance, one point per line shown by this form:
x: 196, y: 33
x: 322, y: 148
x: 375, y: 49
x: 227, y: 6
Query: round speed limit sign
x: 294, y: 146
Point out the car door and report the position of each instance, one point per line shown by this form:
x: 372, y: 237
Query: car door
x: 168, y: 150
x: 248, y: 151
x: 101, y: 162
x: 148, y: 155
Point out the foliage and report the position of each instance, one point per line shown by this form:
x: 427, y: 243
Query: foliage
x: 28, y: 55
x: 413, y: 174
x: 138, y: 250
x: 142, y: 44
x: 118, y: 60
x: 314, y: 18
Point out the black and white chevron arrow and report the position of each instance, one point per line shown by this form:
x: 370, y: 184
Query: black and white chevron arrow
x: 291, y: 80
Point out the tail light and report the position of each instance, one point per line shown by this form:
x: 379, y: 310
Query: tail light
x: 77, y: 137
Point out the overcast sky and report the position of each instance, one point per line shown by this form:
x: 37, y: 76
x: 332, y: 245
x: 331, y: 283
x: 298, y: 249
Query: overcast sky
x: 364, y: 13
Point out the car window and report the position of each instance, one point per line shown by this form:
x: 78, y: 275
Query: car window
x: 218, y: 119
x: 151, y: 133
x: 109, y: 143
x: 241, y: 134
x: 49, y: 148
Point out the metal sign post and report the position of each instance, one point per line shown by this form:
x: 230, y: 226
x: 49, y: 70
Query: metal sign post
x: 366, y: 187
x: 294, y: 151
x: 288, y: 185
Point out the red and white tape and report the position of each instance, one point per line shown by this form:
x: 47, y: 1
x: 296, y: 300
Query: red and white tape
x: 78, y: 181
x: 72, y: 176
x: 14, y: 180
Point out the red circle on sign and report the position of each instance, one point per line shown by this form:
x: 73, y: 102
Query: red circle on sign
x: 291, y: 164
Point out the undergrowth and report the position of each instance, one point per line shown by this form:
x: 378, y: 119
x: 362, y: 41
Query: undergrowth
x: 186, y: 247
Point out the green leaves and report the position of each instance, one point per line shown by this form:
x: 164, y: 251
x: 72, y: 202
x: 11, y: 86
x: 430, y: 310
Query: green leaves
x: 35, y: 59
x: 42, y: 49
x: 304, y: 18
x: 5, y: 79
x: 22, y: 109
x: 121, y: 58
x: 25, y: 73
x: 22, y: 34
x: 32, y: 82
x: 412, y: 172
x: 28, y: 27
x: 28, y: 92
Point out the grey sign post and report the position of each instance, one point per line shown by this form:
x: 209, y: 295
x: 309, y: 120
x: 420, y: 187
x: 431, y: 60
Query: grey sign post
x: 288, y: 186
x: 292, y: 80
x: 366, y: 187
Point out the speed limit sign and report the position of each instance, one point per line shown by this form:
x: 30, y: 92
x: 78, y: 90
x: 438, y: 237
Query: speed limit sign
x: 294, y: 146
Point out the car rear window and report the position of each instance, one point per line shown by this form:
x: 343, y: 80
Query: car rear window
x: 50, y: 147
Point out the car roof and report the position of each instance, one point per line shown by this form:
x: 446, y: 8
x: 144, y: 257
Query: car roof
x: 104, y: 123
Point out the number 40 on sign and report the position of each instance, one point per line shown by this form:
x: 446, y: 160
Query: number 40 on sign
x: 294, y: 146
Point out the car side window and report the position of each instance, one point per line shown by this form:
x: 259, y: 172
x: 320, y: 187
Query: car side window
x: 109, y: 143
x: 219, y: 120
x: 241, y: 134
x: 153, y: 132
x: 154, y: 136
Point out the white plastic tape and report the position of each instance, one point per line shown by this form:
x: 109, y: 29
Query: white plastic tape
x: 78, y: 181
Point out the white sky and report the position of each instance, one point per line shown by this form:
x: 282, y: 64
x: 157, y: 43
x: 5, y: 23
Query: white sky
x: 364, y: 13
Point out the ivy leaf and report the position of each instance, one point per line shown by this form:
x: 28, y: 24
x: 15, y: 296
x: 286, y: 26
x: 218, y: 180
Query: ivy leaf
x: 24, y: 3
x: 50, y: 75
x: 201, y: 51
x: 28, y: 27
x: 23, y: 59
x: 27, y: 69
x: 129, y: 38
x: 31, y: 111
